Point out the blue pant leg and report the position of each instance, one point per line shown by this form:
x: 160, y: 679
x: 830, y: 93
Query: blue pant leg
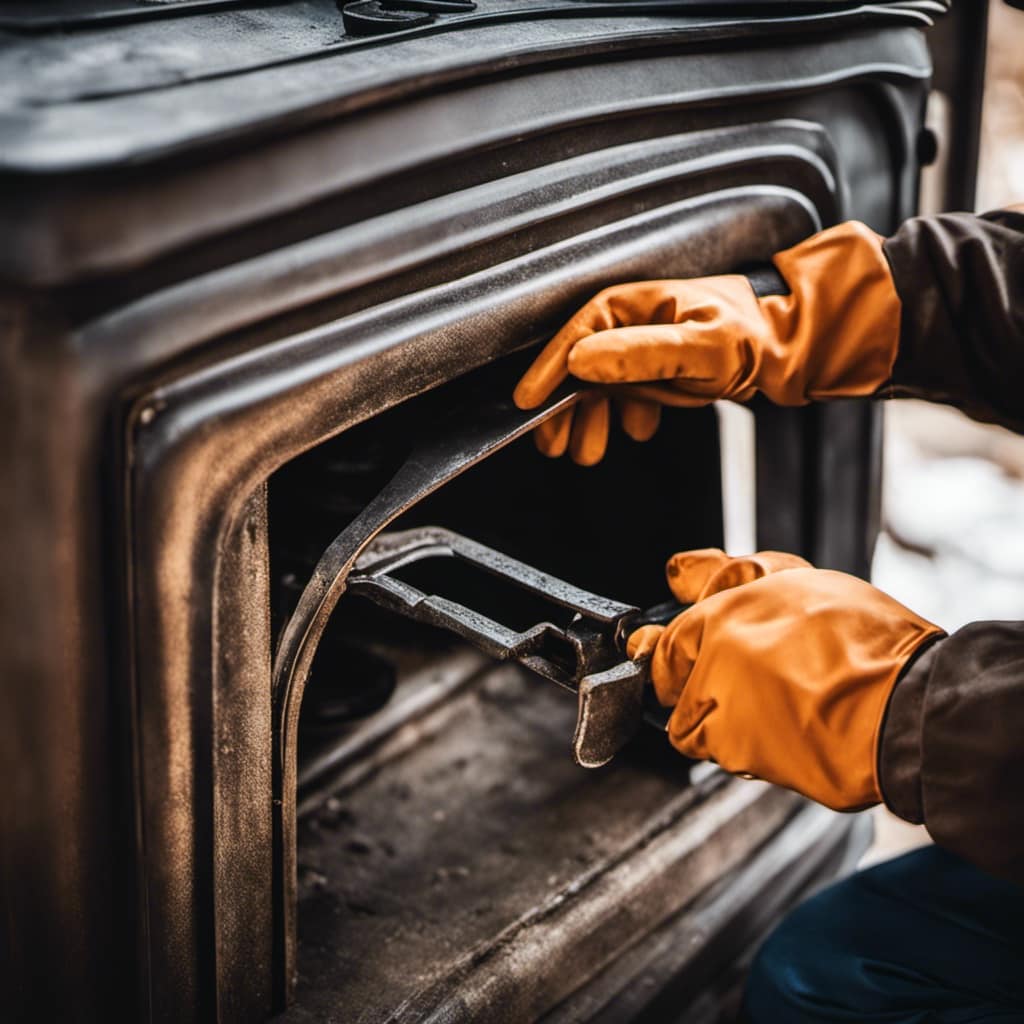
x: 926, y: 937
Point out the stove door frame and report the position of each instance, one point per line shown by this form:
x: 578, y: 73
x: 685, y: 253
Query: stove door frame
x: 203, y: 447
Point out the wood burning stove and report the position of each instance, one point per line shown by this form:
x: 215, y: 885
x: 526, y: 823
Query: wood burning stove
x: 250, y: 255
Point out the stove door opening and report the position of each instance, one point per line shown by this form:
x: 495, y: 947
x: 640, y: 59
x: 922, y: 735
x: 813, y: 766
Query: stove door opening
x: 439, y: 807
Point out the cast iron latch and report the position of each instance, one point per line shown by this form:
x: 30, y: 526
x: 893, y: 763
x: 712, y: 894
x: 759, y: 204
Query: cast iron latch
x: 580, y: 645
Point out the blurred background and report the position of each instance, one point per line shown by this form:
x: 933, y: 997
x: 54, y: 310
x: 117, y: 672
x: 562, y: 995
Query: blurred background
x: 952, y: 546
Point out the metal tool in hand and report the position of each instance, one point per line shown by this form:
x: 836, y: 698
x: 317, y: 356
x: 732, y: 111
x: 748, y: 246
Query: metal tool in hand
x: 467, y: 437
x: 579, y: 644
x: 610, y: 687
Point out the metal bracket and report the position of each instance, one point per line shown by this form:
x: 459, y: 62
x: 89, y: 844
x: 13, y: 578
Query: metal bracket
x: 464, y: 439
x: 579, y: 644
x: 584, y: 654
x: 562, y: 653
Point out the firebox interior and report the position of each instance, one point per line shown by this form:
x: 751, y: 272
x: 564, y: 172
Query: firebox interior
x: 608, y: 528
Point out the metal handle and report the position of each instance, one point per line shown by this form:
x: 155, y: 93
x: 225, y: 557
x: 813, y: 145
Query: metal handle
x: 588, y: 642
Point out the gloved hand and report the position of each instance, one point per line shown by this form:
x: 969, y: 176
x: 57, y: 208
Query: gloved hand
x: 689, y: 342
x: 583, y: 429
x: 780, y: 670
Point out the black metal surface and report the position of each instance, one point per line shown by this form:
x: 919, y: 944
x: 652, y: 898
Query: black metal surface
x: 82, y: 106
x: 958, y: 45
x: 65, y: 15
x: 69, y: 15
x: 371, y: 18
x: 372, y: 164
x: 375, y: 17
x: 432, y: 6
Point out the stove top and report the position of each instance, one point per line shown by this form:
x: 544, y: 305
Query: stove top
x: 90, y: 84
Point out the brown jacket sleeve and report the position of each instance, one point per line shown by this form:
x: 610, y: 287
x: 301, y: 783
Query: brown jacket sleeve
x: 952, y: 749
x: 960, y: 279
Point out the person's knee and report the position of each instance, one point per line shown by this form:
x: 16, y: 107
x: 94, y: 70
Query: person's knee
x: 923, y: 934
x: 797, y: 973
x: 781, y: 976
x: 765, y: 985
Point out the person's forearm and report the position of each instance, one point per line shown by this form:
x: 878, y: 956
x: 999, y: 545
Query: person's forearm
x: 952, y: 749
x: 960, y: 279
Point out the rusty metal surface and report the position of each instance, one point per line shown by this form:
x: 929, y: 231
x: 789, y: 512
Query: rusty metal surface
x: 241, y: 847
x: 611, y: 709
x: 690, y: 970
x: 487, y: 876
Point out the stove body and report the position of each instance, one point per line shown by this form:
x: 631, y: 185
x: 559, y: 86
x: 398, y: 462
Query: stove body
x: 247, y: 258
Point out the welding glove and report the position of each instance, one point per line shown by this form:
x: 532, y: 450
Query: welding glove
x: 690, y: 342
x: 781, y: 671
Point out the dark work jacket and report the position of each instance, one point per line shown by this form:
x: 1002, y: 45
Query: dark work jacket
x: 952, y: 747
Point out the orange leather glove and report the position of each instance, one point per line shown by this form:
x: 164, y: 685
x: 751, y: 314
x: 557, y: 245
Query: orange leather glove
x: 780, y: 670
x: 691, y: 342
x: 583, y: 429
